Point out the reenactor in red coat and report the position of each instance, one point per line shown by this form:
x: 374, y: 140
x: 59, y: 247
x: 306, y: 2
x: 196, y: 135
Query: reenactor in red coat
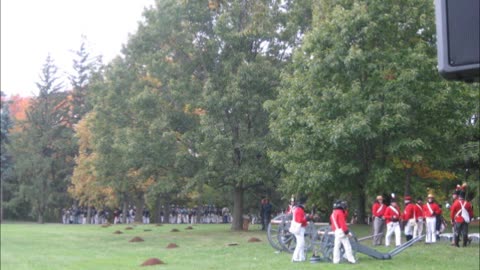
x: 431, y: 210
x: 461, y: 214
x: 409, y: 217
x: 419, y: 217
x: 338, y: 221
x: 378, y: 209
x: 392, y: 218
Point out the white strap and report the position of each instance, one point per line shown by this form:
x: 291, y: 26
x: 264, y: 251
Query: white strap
x: 380, y: 208
x: 334, y: 222
x: 394, y: 209
x: 430, y: 208
x: 462, y: 207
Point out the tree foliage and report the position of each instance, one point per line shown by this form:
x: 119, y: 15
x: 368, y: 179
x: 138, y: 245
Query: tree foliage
x: 364, y: 93
x: 43, y: 150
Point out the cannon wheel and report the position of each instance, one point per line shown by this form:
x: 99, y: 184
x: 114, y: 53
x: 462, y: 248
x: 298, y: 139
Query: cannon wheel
x: 275, y: 228
x: 328, y: 248
x: 289, y: 242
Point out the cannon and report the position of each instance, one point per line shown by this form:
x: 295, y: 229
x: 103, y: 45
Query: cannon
x: 319, y: 239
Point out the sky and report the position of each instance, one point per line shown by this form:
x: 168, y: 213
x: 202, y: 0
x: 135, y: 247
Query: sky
x: 32, y: 29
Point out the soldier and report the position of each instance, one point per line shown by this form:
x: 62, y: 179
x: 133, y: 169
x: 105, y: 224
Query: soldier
x: 431, y: 210
x: 300, y: 217
x: 378, y: 209
x: 420, y: 217
x: 338, y: 221
x: 392, y: 218
x: 461, y: 214
x: 409, y: 218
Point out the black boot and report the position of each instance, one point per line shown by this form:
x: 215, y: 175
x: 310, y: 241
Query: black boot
x: 465, y: 240
x: 457, y: 239
x: 408, y: 237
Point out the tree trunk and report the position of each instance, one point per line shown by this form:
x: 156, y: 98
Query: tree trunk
x: 40, y: 218
x: 124, y: 212
x: 237, y: 223
x: 158, y: 210
x: 89, y: 214
x: 139, y: 204
x: 361, y: 201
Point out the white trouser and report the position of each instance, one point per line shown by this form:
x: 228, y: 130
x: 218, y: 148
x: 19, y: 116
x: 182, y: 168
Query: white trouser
x: 431, y: 224
x: 393, y: 227
x: 299, y: 252
x: 342, y: 239
x: 418, y: 229
x: 410, y: 227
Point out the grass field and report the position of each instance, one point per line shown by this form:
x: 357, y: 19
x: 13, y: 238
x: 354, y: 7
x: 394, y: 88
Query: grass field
x: 29, y: 246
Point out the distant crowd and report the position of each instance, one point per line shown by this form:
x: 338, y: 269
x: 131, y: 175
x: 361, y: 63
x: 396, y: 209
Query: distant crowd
x: 206, y: 214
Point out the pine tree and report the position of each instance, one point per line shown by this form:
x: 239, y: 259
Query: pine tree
x: 5, y: 159
x: 43, y: 150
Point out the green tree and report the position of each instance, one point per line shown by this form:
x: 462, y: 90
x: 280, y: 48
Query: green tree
x: 43, y: 148
x: 363, y: 93
x: 86, y: 67
x: 249, y: 48
x: 5, y: 159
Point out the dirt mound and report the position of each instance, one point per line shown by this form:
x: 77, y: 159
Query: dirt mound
x: 174, y: 230
x: 105, y: 225
x: 172, y: 245
x: 147, y: 230
x: 232, y: 244
x: 152, y: 261
x: 136, y: 239
x: 117, y: 232
x: 254, y: 239
x: 189, y: 228
x: 128, y: 228
x: 158, y: 224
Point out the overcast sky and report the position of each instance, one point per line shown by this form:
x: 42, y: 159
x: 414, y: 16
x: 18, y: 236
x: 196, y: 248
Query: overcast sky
x: 31, y: 29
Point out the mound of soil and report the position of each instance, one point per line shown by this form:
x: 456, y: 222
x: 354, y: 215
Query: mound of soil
x: 152, y: 261
x: 172, y: 245
x: 105, y: 225
x: 136, y: 239
x: 158, y: 224
x: 174, y: 230
x: 254, y: 239
x: 232, y: 244
x: 189, y: 228
x: 128, y: 228
x: 147, y: 230
x: 117, y: 232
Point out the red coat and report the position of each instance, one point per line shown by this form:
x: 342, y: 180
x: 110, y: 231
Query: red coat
x: 435, y: 209
x: 392, y: 214
x: 339, y: 218
x: 378, y: 209
x: 419, y: 211
x: 455, y: 210
x: 409, y: 211
x: 299, y: 215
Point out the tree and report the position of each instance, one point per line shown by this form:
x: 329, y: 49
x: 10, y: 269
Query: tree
x: 43, y: 149
x: 86, y: 67
x: 5, y: 158
x: 363, y: 93
x: 84, y: 185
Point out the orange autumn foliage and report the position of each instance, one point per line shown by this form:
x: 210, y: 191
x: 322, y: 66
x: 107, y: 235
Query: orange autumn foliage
x: 422, y: 170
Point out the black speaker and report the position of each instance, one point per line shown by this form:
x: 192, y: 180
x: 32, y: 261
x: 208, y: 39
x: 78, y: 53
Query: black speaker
x: 458, y: 39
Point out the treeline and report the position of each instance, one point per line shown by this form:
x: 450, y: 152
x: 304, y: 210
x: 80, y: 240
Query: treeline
x: 224, y: 102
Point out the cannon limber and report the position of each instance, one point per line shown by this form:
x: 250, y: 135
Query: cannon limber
x: 319, y: 239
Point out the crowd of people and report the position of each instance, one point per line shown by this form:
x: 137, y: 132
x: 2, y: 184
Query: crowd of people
x: 418, y: 216
x: 388, y: 221
x: 175, y: 215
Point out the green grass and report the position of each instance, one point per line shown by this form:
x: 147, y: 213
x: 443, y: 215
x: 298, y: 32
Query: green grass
x: 55, y: 246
